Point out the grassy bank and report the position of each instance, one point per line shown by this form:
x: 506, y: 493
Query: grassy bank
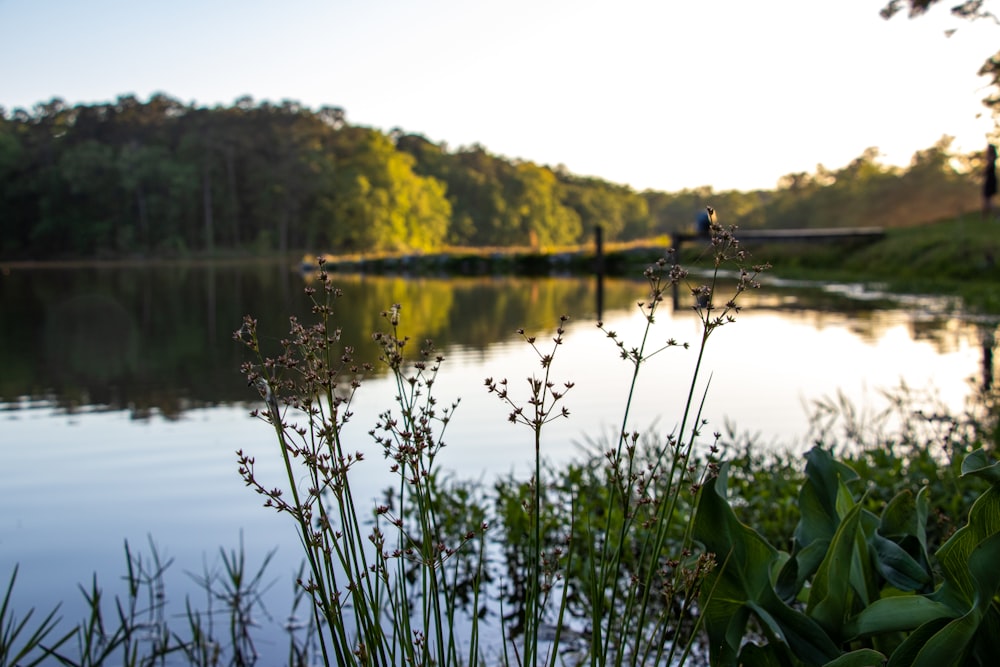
x: 957, y: 257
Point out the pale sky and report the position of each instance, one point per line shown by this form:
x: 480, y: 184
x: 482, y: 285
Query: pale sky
x: 661, y: 94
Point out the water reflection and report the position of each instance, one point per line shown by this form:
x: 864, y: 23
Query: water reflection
x: 159, y: 340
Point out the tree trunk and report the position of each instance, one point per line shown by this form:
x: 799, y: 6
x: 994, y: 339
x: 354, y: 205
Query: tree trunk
x: 206, y: 200
x: 234, y: 202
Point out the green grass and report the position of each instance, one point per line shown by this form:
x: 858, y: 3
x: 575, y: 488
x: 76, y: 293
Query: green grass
x: 958, y: 257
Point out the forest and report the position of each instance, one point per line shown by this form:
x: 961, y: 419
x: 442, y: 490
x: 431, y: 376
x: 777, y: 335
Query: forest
x: 164, y: 179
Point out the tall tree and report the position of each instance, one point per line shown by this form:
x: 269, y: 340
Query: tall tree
x: 381, y: 204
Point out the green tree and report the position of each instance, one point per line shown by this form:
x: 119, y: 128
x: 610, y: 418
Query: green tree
x: 617, y: 209
x: 13, y: 228
x: 88, y: 170
x: 381, y: 204
x: 541, y: 219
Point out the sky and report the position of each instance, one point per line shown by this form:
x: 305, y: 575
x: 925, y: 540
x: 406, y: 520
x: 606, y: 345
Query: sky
x: 659, y: 94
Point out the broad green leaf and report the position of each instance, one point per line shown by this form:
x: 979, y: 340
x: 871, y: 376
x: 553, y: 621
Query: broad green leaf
x: 819, y: 495
x: 831, y: 596
x: 800, y: 567
x: 895, y: 614
x: 954, y: 555
x: 922, y: 510
x: 769, y: 655
x: 988, y: 636
x: 803, y: 636
x: 864, y: 657
x: 950, y: 644
x: 744, y: 559
x: 971, y: 580
x: 899, y: 515
x: 741, y: 584
x: 906, y: 653
x: 904, y: 524
x: 864, y: 580
x: 905, y: 518
x: 823, y: 499
x: 978, y: 464
x: 897, y: 566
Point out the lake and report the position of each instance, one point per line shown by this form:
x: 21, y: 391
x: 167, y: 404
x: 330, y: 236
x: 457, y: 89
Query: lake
x: 122, y: 403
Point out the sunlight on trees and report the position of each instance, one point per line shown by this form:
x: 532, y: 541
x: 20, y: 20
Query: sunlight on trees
x: 134, y: 178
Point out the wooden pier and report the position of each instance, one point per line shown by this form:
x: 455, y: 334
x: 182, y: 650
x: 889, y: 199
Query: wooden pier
x: 793, y: 235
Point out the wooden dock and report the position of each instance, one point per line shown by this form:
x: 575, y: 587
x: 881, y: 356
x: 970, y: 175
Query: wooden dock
x: 794, y: 235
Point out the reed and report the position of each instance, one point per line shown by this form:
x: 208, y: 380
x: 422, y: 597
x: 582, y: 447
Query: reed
x: 600, y: 560
x: 385, y: 592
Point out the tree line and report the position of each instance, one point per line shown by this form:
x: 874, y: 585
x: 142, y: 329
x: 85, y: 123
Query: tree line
x: 134, y: 178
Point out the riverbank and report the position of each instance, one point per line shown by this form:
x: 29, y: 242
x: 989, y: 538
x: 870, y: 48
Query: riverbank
x: 958, y: 257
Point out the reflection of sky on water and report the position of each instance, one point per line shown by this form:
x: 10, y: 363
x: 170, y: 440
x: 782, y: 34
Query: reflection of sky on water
x: 76, y: 486
x: 762, y: 368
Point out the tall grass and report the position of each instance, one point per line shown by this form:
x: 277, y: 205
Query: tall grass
x: 632, y: 573
x: 385, y: 590
x: 134, y: 627
x: 601, y: 561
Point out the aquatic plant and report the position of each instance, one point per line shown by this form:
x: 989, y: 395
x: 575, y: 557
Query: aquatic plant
x: 858, y: 588
x: 386, y: 591
x: 134, y: 628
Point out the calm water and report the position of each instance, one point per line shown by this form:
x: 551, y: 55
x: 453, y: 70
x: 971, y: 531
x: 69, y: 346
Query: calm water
x: 121, y: 401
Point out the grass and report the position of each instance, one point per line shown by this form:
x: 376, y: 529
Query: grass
x: 135, y: 628
x: 958, y: 257
x: 389, y: 593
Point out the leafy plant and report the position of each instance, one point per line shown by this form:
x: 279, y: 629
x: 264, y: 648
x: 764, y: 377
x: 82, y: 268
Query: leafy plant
x: 380, y: 590
x: 136, y: 632
x: 857, y: 588
x: 614, y: 533
x: 391, y: 592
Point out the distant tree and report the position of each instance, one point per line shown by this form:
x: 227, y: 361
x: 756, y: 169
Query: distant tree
x: 618, y: 210
x: 540, y: 217
x: 14, y: 225
x: 937, y: 184
x: 162, y: 177
x: 671, y: 212
x: 382, y: 204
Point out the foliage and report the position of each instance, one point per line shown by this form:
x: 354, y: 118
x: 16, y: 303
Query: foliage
x: 392, y: 592
x: 914, y: 443
x: 624, y: 515
x: 857, y: 587
x: 387, y: 594
x: 137, y: 630
x: 133, y: 178
x: 641, y: 544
